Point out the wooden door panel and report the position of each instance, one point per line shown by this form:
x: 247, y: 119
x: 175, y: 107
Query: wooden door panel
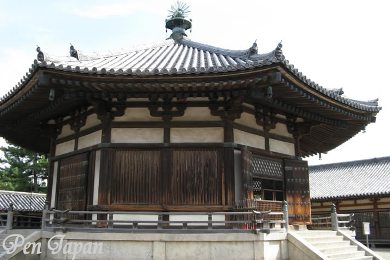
x: 195, y: 178
x: 298, y: 192
x: 72, y: 183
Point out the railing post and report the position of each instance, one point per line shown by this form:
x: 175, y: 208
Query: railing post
x: 160, y: 219
x: 209, y: 221
x: 285, y: 214
x: 10, y: 216
x: 335, y: 223
x: 110, y: 220
x: 44, y: 214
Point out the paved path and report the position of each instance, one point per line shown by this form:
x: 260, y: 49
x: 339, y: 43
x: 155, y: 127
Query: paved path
x: 383, y: 252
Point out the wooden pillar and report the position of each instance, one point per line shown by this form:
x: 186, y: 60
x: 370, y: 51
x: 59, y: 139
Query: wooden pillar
x: 228, y: 175
x: 378, y: 233
x: 52, y: 170
x: 104, y: 175
x: 228, y: 165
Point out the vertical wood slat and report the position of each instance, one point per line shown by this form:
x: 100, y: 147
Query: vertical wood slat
x: 247, y: 174
x: 228, y: 170
x: 135, y: 176
x: 182, y: 176
x: 105, y: 176
x: 195, y: 178
x: 72, y: 182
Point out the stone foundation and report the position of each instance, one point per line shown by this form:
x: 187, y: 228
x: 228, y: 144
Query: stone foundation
x: 174, y: 246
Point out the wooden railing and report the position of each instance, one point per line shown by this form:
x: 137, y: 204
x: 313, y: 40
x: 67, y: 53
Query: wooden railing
x: 334, y: 221
x: 254, y: 221
x: 321, y: 222
x: 15, y: 220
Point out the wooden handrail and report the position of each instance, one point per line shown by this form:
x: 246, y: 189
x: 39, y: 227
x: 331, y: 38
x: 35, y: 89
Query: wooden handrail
x: 253, y: 221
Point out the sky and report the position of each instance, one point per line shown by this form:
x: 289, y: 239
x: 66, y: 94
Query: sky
x: 337, y: 44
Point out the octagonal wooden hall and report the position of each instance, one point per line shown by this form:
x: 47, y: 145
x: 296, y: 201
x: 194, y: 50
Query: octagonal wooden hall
x: 177, y: 126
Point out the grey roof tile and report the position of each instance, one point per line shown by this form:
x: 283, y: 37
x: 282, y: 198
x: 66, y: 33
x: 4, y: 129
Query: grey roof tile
x: 22, y: 201
x: 178, y: 57
x: 350, y: 179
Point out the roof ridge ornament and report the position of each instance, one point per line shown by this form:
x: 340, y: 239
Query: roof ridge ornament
x: 253, y: 50
x: 177, y: 21
x: 40, y: 55
x: 338, y: 91
x: 73, y: 52
x: 278, y: 51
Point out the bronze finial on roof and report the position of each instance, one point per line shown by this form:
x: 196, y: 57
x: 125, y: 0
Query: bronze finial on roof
x: 177, y: 21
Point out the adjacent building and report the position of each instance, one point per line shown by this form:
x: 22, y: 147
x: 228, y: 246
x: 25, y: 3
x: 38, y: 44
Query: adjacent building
x: 360, y: 187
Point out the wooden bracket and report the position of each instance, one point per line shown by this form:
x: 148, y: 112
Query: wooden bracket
x: 164, y: 107
x: 230, y: 108
x: 265, y: 117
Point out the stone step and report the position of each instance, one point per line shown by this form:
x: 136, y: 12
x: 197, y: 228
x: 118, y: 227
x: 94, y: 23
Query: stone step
x: 340, y: 249
x: 324, y: 239
x: 361, y: 258
x: 347, y: 255
x: 309, y: 234
x: 336, y: 244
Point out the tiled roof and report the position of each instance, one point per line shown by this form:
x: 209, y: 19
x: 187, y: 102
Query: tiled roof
x: 350, y: 179
x: 167, y: 57
x: 179, y: 57
x: 22, y: 201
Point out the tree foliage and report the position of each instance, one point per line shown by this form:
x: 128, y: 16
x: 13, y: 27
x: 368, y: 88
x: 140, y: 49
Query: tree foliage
x: 22, y: 170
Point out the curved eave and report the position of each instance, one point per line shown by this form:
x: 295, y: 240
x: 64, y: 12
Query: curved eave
x: 323, y: 138
x: 312, y: 89
x: 31, y: 94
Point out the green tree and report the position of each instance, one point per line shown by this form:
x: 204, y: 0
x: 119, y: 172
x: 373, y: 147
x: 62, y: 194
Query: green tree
x: 22, y: 170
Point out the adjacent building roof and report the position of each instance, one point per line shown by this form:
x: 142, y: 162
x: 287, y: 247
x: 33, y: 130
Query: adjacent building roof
x: 22, y: 201
x: 363, y: 178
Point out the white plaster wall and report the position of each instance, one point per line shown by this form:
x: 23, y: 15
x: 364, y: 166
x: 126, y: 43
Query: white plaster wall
x: 247, y: 119
x: 356, y: 207
x: 135, y: 217
x: 197, y: 135
x: 195, y: 218
x: 65, y: 147
x: 90, y: 139
x: 281, y: 147
x: 92, y: 120
x: 281, y: 129
x: 197, y: 114
x: 137, y: 135
x: 248, y: 139
x: 66, y: 131
x: 136, y: 114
